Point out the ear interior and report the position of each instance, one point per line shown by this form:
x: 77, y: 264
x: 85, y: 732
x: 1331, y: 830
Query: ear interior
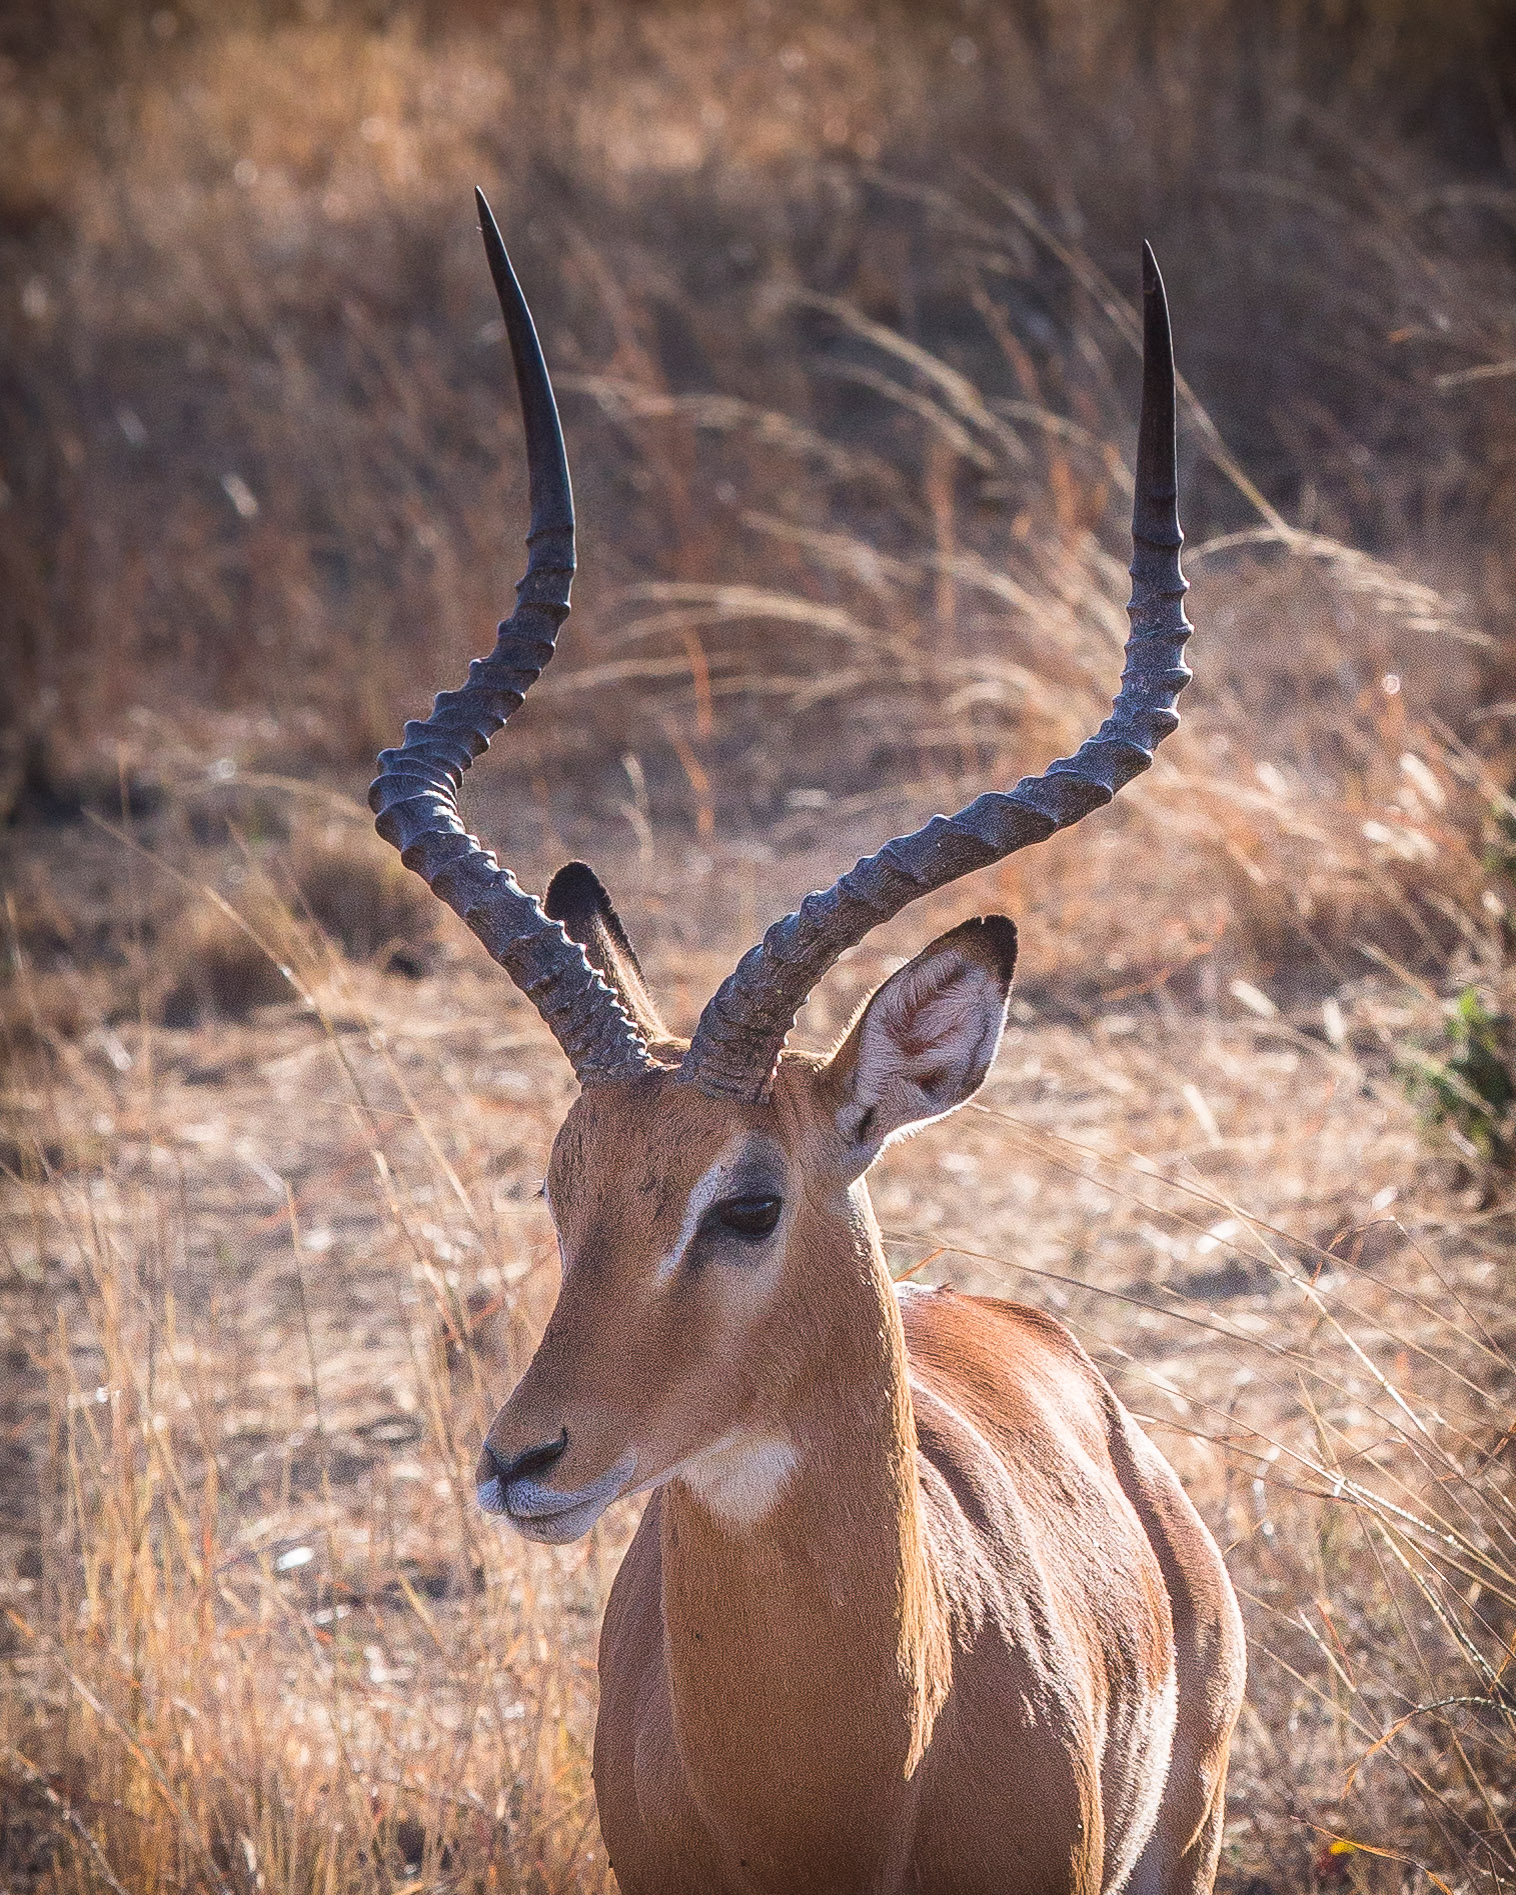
x: 577, y: 897
x: 926, y: 1038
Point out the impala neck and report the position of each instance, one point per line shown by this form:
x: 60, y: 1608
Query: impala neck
x: 821, y: 1611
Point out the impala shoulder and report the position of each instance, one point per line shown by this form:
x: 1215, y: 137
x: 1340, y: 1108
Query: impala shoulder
x: 1013, y: 1370
x: 944, y: 1324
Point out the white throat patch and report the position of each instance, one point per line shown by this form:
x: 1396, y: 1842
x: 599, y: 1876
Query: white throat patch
x: 741, y: 1476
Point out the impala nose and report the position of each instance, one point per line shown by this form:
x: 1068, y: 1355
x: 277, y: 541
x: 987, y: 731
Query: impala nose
x: 494, y: 1476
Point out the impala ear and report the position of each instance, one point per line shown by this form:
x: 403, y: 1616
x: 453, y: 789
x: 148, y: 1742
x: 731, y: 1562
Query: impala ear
x: 576, y: 896
x: 925, y: 1040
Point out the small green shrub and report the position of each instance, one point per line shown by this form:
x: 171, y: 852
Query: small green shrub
x: 1467, y: 1085
x: 1500, y: 840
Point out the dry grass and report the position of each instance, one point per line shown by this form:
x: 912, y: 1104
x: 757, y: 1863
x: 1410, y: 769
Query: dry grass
x: 267, y: 1282
x: 834, y: 298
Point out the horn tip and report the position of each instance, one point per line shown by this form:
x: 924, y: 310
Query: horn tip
x: 1152, y: 279
x: 488, y: 228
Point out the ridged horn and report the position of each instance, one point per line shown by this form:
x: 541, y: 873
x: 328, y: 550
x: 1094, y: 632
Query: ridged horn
x: 742, y: 1031
x: 415, y: 795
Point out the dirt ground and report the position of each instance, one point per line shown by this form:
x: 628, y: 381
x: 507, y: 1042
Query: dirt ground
x: 275, y: 1274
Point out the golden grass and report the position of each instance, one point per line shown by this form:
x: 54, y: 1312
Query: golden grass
x: 834, y: 298
x: 269, y: 1280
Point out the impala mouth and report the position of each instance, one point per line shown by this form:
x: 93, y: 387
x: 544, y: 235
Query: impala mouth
x: 547, y: 1513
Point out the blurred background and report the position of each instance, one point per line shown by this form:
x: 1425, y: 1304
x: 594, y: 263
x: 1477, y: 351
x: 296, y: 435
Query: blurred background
x: 839, y: 303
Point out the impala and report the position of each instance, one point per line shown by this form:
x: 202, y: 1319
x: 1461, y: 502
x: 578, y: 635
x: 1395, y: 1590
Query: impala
x: 914, y: 1604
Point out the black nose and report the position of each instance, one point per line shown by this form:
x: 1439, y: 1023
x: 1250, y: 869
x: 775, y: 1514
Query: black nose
x: 528, y: 1465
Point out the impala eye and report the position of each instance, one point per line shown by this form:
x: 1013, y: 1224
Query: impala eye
x: 748, y: 1217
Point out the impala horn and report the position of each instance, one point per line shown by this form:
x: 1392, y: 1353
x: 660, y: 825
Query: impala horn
x: 742, y: 1031
x: 415, y: 795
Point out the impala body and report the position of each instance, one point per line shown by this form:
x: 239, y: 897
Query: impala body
x: 914, y: 1605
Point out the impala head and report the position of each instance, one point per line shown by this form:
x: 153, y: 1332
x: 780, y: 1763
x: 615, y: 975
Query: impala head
x: 689, y: 1227
x: 691, y: 1182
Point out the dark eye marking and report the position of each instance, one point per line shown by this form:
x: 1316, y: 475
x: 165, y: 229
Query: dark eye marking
x: 753, y: 1215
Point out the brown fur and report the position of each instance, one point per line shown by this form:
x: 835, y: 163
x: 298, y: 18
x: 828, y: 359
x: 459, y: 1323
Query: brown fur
x: 937, y: 1659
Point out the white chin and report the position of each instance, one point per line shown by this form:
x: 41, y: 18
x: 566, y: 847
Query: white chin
x: 557, y: 1528
x: 543, y: 1513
